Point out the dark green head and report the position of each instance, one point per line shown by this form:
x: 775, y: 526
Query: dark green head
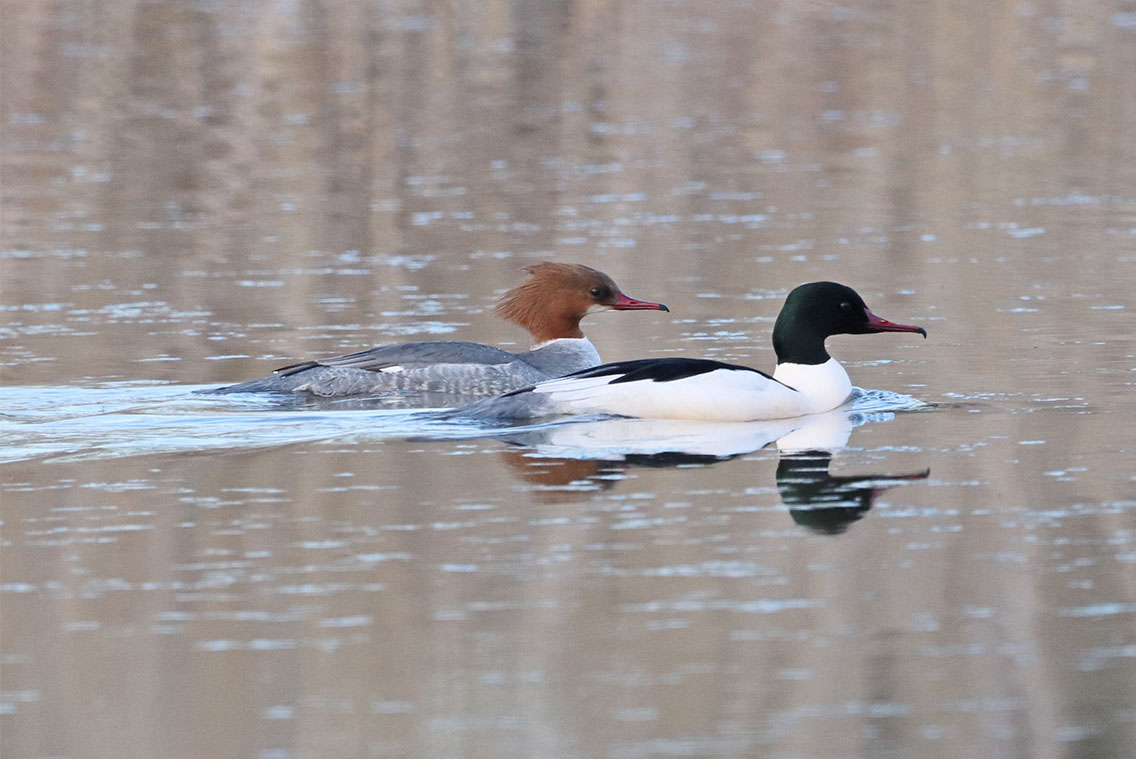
x: 814, y: 311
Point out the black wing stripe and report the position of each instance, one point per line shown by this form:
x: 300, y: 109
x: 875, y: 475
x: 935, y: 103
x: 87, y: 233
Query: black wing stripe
x: 290, y: 369
x: 660, y: 369
x: 654, y: 370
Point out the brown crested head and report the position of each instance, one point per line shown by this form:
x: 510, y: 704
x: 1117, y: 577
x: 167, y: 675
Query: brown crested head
x: 555, y: 297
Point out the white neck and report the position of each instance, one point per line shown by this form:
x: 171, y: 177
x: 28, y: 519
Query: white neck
x: 567, y: 341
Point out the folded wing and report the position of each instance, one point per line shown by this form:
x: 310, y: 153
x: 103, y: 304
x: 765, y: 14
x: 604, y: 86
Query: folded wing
x: 407, y: 356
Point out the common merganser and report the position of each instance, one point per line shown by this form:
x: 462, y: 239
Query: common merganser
x: 549, y: 304
x: 807, y: 380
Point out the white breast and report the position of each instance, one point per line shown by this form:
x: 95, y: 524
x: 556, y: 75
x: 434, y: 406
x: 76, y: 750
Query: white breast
x: 823, y: 387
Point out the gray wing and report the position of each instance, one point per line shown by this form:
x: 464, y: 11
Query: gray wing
x: 409, y: 356
x: 434, y: 385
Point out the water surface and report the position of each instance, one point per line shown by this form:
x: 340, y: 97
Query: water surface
x: 194, y: 194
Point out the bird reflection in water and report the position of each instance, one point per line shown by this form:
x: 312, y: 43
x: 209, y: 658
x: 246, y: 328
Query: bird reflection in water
x: 554, y: 479
x: 559, y: 460
x: 828, y: 503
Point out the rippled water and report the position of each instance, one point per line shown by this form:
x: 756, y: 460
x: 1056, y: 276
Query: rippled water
x: 194, y: 194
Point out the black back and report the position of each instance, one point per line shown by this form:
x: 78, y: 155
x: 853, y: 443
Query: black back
x: 660, y: 369
x: 654, y: 370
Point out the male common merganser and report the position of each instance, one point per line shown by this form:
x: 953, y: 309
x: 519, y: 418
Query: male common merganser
x: 807, y: 380
x: 550, y: 305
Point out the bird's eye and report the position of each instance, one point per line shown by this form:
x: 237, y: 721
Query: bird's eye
x: 845, y: 306
x: 598, y: 292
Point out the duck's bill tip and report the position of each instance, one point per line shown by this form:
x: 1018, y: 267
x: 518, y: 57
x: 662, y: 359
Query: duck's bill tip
x: 625, y: 303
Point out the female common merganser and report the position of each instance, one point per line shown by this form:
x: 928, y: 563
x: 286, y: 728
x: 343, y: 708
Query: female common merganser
x: 550, y: 305
x: 807, y: 380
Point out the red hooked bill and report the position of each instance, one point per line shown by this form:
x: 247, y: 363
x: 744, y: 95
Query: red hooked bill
x: 880, y: 324
x: 624, y: 303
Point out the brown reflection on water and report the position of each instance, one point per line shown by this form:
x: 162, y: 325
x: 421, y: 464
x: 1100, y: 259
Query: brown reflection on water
x: 551, y: 477
x: 192, y: 192
x: 254, y: 165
